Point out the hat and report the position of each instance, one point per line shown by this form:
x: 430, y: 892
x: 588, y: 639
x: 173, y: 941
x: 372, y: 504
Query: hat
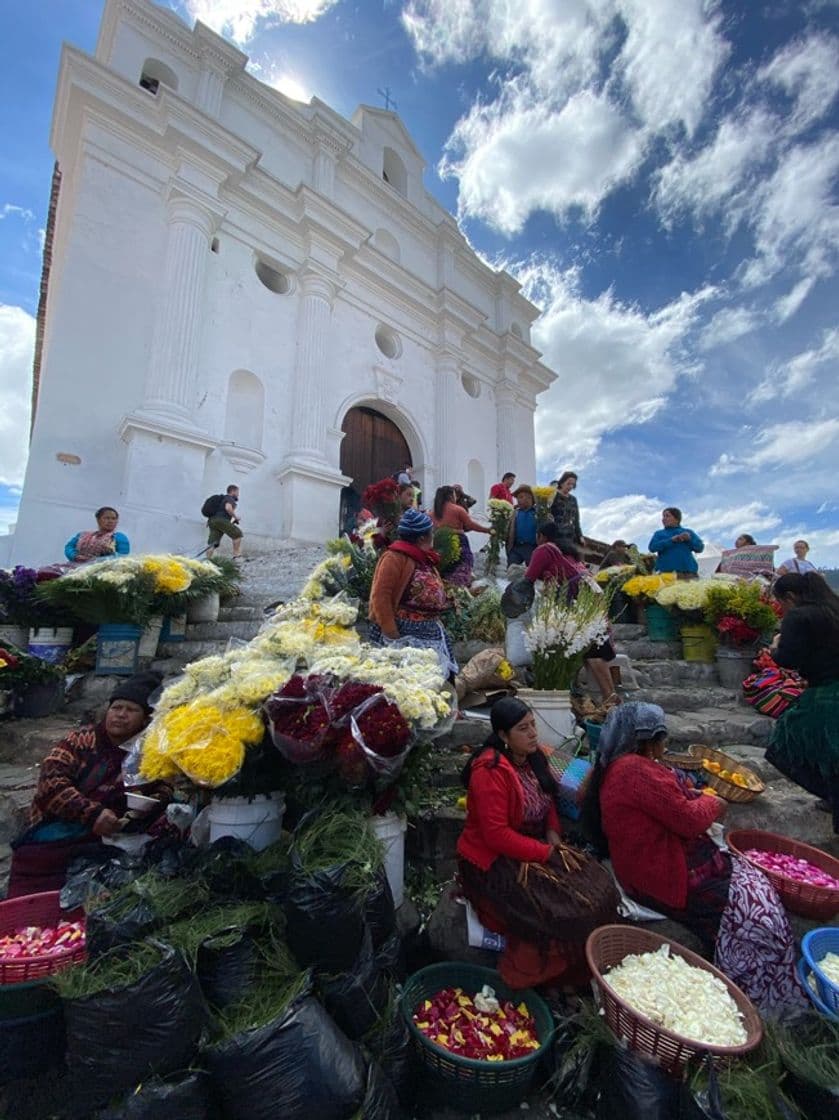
x: 414, y: 523
x: 138, y: 689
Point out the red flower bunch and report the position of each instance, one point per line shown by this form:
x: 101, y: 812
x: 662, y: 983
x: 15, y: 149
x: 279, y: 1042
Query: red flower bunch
x: 455, y: 1021
x: 382, y: 493
x: 349, y: 696
x: 298, y: 711
x: 735, y: 631
x: 384, y: 729
x: 352, y: 765
x: 8, y: 660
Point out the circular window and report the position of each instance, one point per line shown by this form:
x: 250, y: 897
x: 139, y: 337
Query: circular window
x: 272, y: 278
x: 388, y: 341
x: 471, y: 384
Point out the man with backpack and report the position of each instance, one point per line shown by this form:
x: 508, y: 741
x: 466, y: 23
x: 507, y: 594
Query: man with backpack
x: 220, y: 511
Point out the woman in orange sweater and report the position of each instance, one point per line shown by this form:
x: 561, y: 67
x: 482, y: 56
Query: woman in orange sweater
x: 408, y: 596
x: 449, y: 515
x: 522, y: 879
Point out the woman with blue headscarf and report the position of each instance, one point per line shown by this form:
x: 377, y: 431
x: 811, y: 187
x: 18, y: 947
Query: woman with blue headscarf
x: 407, y: 597
x: 654, y: 828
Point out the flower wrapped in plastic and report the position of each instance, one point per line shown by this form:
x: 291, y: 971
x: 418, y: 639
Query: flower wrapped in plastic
x: 688, y: 596
x: 201, y: 740
x: 383, y: 734
x: 300, y: 719
x: 647, y: 587
x: 543, y: 497
x: 616, y: 574
x: 169, y: 574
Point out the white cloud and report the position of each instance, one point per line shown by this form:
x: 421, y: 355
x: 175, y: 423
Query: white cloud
x: 9, y: 210
x: 786, y: 306
x: 670, y: 59
x: 723, y: 172
x: 615, y: 365
x: 635, y: 517
x: 782, y: 445
x: 513, y: 157
x: 808, y: 71
x: 787, y: 379
x: 279, y: 76
x: 240, y: 18
x: 728, y: 325
x: 17, y: 342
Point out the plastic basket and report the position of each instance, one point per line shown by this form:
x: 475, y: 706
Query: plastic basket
x: 36, y: 910
x: 815, y: 945
x: 607, y: 947
x: 804, y: 972
x: 801, y: 898
x: 31, y: 1045
x: 464, y: 1083
x: 729, y: 790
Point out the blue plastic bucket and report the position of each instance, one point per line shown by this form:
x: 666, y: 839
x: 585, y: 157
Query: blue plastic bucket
x: 661, y: 625
x: 174, y: 629
x: 50, y: 643
x: 117, y: 648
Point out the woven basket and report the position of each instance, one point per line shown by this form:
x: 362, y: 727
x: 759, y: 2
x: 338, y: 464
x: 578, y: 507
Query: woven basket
x: 724, y: 788
x: 463, y: 1083
x: 35, y: 910
x: 801, y: 898
x: 607, y: 947
x: 682, y: 761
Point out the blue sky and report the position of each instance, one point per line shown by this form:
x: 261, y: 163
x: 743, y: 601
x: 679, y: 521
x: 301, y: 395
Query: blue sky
x: 662, y: 175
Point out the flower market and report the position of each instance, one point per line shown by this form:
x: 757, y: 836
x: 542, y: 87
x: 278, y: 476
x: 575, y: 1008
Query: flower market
x: 325, y: 875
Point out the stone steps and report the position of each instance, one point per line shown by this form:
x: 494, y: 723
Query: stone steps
x: 687, y: 697
x: 27, y: 741
x: 642, y: 649
x: 718, y: 727
x: 240, y: 613
x: 670, y: 671
x: 222, y: 630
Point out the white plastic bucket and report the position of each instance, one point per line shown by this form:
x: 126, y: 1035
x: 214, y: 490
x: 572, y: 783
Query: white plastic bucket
x: 555, y: 719
x: 150, y: 638
x: 258, y: 822
x: 391, y: 829
x: 14, y: 635
x: 205, y: 609
x: 50, y: 643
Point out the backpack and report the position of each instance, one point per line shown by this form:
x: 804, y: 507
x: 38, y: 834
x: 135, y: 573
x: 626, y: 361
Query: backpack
x: 212, y: 505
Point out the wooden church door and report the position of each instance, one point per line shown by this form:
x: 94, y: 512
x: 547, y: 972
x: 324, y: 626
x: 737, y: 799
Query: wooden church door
x: 372, y: 449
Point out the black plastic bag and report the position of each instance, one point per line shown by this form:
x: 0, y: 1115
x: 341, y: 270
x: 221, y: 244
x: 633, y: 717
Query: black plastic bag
x: 184, y: 1096
x: 31, y: 1044
x: 380, y: 1099
x: 355, y: 999
x: 225, y: 972
x: 111, y: 925
x: 633, y: 1089
x: 325, y: 922
x: 517, y: 598
x: 90, y: 875
x: 116, y: 1040
x: 380, y: 911
x: 390, y: 958
x: 813, y: 1100
x: 225, y: 867
x: 573, y: 1068
x: 390, y: 1045
x: 297, y: 1067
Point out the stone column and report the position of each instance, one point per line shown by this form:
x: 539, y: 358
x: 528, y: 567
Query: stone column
x: 445, y: 430
x: 308, y: 430
x: 170, y: 387
x: 505, y: 421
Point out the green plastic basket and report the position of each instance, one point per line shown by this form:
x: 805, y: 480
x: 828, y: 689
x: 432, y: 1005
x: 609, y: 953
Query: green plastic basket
x: 463, y: 1083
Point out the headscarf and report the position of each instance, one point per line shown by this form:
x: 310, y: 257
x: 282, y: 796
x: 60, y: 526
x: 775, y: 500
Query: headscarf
x: 626, y: 725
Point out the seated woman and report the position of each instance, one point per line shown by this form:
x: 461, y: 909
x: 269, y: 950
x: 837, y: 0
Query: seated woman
x: 407, y: 596
x: 523, y: 881
x: 80, y: 796
x: 449, y: 514
x: 104, y: 541
x: 655, y: 830
x: 521, y: 537
x: 805, y: 739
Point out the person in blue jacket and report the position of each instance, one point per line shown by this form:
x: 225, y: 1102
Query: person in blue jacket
x: 104, y: 541
x: 675, y: 546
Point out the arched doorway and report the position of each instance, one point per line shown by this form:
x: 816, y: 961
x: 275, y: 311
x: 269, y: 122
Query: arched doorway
x: 372, y: 448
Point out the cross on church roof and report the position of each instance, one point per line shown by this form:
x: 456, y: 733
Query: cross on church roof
x: 390, y: 104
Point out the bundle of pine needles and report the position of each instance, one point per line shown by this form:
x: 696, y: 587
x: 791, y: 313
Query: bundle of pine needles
x: 112, y: 972
x: 276, y: 857
x: 810, y: 1050
x: 280, y: 983
x: 344, y: 837
x: 223, y: 925
x: 167, y: 898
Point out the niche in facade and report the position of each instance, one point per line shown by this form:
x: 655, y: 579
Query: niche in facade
x: 393, y: 171
x: 470, y: 384
x: 388, y: 341
x: 272, y: 278
x: 516, y: 330
x: 245, y: 412
x: 156, y: 74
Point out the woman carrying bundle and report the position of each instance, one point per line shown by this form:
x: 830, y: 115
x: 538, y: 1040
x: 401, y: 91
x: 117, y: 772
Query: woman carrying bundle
x: 654, y: 828
x: 449, y: 514
x: 805, y: 739
x: 523, y: 880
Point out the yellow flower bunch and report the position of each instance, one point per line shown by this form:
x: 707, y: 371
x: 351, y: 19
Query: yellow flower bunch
x: 544, y: 493
x: 253, y: 680
x: 648, y: 586
x: 169, y: 574
x: 202, y: 740
x: 613, y: 572
x: 505, y: 670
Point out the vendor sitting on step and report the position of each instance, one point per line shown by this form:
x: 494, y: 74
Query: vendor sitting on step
x: 80, y: 796
x: 521, y: 878
x: 655, y: 829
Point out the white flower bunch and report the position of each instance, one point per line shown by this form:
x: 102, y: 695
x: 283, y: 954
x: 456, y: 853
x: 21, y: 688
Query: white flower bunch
x: 562, y: 631
x: 685, y: 594
x: 679, y: 997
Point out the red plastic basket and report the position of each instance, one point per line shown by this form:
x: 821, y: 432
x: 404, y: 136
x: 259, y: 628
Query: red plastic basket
x: 801, y: 898
x: 36, y: 910
x: 607, y: 947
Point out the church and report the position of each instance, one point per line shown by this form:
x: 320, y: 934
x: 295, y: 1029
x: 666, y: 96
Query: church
x: 242, y: 288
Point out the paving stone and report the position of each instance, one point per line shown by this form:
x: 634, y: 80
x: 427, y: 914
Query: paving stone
x: 717, y: 726
x: 628, y: 631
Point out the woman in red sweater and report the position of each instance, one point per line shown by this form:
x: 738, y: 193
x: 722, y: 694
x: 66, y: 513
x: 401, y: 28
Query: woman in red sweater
x: 522, y: 879
x: 655, y: 830
x: 449, y: 515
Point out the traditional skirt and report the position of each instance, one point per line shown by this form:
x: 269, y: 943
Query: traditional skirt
x: 545, y: 910
x: 461, y: 573
x: 428, y: 633
x: 709, y: 879
x: 805, y: 743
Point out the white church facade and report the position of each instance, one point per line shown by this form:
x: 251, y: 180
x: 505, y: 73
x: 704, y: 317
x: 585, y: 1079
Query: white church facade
x: 248, y: 289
